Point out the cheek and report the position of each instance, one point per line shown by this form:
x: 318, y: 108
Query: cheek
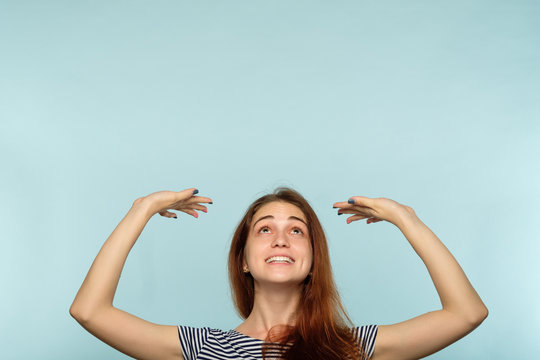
x: 308, y: 252
x: 248, y: 251
x: 246, y: 255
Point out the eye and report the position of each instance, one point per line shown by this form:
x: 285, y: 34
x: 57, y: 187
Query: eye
x: 266, y: 230
x: 298, y: 231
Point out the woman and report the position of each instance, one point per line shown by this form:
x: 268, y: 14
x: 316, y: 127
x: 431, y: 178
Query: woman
x: 282, y: 285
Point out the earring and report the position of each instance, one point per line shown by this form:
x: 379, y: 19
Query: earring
x: 246, y: 270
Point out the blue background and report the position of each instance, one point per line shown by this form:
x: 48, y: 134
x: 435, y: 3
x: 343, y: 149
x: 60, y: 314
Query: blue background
x: 434, y: 104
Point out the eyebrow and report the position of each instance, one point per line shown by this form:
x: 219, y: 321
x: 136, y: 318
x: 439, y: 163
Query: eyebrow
x: 271, y: 217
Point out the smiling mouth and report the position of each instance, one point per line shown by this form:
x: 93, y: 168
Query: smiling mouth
x: 280, y: 259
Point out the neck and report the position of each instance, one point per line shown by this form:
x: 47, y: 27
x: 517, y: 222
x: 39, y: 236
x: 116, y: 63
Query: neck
x: 274, y: 305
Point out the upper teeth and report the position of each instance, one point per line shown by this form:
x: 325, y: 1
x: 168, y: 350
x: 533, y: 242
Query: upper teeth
x: 280, y: 259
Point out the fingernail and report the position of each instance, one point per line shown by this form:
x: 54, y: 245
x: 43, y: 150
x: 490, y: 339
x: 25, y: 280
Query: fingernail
x: 176, y: 217
x: 340, y: 213
x: 334, y: 207
x: 351, y: 201
x: 205, y: 210
x: 195, y: 191
x: 211, y: 202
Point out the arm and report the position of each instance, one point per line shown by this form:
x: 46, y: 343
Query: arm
x: 456, y: 293
x: 93, y: 305
x: 462, y: 309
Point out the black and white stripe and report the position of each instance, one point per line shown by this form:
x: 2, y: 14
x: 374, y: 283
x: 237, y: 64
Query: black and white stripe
x: 214, y: 344
x: 365, y: 337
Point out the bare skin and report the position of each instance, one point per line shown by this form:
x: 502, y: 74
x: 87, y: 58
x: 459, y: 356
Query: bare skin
x: 462, y: 309
x: 93, y: 306
x: 277, y: 285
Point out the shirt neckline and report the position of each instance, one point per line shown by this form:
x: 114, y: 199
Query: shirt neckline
x: 255, y: 339
x: 244, y: 335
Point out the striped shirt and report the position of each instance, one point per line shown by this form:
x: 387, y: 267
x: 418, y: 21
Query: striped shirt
x: 214, y: 344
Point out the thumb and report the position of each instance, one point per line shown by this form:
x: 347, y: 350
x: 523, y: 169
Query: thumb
x: 185, y: 194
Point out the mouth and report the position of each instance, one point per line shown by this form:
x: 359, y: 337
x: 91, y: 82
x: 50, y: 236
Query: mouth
x: 280, y: 260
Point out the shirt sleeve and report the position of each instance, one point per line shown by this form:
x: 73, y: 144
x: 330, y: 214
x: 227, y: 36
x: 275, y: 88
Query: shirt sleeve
x: 365, y: 337
x: 192, y: 340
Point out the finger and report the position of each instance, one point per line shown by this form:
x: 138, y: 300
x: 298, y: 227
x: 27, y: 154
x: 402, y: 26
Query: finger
x: 360, y: 210
x: 364, y: 210
x: 355, y: 218
x: 168, y: 214
x: 372, y: 220
x: 347, y: 205
x: 346, y: 211
x: 199, y: 199
x: 198, y: 207
x: 342, y: 204
x: 190, y: 212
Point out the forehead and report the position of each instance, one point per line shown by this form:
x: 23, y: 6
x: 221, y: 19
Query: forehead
x: 279, y: 210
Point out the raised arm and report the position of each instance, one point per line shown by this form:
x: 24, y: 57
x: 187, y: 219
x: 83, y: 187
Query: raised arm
x: 462, y: 309
x: 93, y: 305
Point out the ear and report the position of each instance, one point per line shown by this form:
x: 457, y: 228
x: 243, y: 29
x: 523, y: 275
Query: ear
x: 244, y: 264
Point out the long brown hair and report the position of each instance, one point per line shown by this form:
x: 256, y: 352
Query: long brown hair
x: 323, y: 328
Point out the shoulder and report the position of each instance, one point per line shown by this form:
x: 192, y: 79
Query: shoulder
x: 193, y: 339
x: 365, y: 337
x: 190, y: 331
x: 206, y: 342
x: 199, y: 334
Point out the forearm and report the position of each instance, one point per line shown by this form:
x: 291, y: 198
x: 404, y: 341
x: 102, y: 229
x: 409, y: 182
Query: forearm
x: 455, y: 291
x: 99, y: 286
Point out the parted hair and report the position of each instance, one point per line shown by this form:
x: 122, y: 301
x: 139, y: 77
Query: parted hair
x: 323, y: 328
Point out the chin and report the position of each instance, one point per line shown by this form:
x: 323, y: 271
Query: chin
x: 279, y: 280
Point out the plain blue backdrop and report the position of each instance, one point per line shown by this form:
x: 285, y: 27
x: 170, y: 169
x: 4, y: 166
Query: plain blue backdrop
x: 434, y: 104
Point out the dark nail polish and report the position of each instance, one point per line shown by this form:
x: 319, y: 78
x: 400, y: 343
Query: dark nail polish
x: 211, y: 202
x: 176, y: 217
x: 334, y: 207
x: 351, y: 201
x: 195, y: 191
x: 340, y: 213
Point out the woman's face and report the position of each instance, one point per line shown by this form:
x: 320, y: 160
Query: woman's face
x: 278, y: 248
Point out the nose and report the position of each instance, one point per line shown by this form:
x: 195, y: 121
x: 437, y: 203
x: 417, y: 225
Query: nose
x: 280, y: 241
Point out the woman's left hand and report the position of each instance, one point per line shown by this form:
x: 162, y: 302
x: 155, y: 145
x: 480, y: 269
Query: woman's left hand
x: 373, y: 209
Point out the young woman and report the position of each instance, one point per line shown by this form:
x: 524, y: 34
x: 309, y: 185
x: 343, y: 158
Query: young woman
x: 282, y: 286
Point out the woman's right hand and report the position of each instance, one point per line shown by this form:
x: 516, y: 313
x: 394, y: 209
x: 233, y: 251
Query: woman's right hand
x: 185, y: 201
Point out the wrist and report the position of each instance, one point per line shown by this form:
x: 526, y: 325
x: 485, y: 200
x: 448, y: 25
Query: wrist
x: 406, y: 218
x: 141, y: 205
